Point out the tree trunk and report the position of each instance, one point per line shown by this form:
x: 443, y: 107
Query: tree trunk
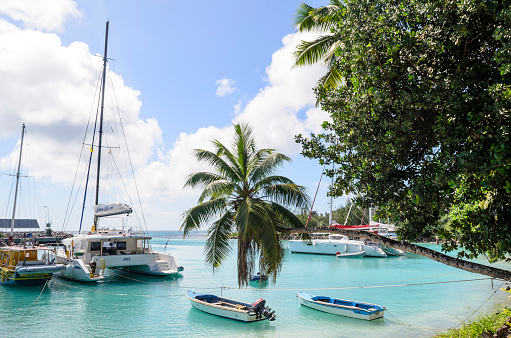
x: 416, y: 249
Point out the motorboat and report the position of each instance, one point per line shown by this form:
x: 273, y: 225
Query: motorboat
x: 26, y: 265
x: 342, y: 307
x: 350, y: 255
x: 232, y: 309
x: 259, y: 278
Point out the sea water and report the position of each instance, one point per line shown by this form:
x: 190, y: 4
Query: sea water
x: 422, y: 297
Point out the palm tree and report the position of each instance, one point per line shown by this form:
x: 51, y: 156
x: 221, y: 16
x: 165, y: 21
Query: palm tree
x: 243, y: 195
x: 323, y: 19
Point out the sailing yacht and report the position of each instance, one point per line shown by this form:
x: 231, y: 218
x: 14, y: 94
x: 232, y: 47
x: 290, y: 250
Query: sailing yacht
x: 24, y: 264
x: 337, y: 244
x: 86, y: 256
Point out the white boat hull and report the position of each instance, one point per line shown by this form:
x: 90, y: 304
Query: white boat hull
x: 341, y: 311
x: 332, y: 247
x: 231, y: 313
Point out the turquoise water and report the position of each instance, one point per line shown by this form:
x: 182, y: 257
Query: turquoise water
x: 135, y: 305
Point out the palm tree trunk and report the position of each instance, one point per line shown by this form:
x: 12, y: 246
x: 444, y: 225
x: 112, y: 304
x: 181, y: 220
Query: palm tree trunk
x: 416, y: 249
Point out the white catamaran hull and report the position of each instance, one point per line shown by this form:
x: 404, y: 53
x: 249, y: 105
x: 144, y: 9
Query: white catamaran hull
x: 332, y: 247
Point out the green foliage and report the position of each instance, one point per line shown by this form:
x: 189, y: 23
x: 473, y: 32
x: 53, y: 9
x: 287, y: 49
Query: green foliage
x: 244, y: 196
x: 421, y: 125
x: 485, y: 323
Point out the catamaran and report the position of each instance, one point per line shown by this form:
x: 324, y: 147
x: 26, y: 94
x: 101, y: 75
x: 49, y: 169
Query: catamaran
x: 87, y: 255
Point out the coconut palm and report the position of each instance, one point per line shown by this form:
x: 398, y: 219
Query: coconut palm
x: 324, y: 20
x: 244, y: 196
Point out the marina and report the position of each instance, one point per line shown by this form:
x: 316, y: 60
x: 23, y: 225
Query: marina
x: 441, y: 297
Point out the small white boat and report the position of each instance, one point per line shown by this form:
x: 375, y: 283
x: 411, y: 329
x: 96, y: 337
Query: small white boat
x: 391, y: 251
x: 351, y: 254
x: 342, y: 307
x: 232, y: 309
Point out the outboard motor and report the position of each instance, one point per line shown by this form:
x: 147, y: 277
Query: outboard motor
x: 261, y: 310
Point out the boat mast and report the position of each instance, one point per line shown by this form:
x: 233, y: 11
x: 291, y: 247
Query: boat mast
x: 17, y: 181
x: 101, y: 122
x: 330, y: 217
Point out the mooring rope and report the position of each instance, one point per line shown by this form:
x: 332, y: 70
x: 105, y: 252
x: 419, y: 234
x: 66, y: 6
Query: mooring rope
x: 32, y: 304
x: 487, y: 299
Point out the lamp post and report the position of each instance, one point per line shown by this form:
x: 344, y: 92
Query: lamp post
x: 47, y: 219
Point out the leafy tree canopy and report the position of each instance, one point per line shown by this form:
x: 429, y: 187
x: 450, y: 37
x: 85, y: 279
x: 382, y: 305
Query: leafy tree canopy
x: 421, y: 124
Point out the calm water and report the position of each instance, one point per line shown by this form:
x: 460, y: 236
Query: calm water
x: 135, y: 305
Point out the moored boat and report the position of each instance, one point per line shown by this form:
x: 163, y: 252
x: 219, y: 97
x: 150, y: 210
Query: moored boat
x: 26, y: 266
x: 342, y: 307
x: 259, y: 278
x: 232, y: 309
x: 87, y: 254
x: 351, y: 254
x: 334, y: 244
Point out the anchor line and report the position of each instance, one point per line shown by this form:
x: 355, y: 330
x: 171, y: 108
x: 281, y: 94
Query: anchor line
x: 32, y: 305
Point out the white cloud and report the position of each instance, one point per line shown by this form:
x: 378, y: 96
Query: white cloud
x: 225, y: 86
x: 38, y: 14
x: 52, y: 88
x: 273, y: 115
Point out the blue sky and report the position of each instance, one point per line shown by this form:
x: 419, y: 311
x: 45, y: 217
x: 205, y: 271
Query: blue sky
x: 181, y: 74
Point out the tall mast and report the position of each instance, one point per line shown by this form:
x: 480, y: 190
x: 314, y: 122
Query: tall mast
x: 17, y: 181
x: 331, y: 216
x: 101, y: 119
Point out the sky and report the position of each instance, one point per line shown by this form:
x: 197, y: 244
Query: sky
x: 180, y: 75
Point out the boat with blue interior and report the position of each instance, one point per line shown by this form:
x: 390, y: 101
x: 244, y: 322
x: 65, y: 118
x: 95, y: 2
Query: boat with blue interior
x: 232, y: 309
x: 342, y: 307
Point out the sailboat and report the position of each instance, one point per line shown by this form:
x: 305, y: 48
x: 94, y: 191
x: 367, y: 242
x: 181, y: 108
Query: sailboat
x: 337, y: 244
x: 88, y: 255
x: 24, y: 264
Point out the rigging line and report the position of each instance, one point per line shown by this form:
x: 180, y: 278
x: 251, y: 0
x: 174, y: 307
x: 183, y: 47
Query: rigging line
x: 487, y: 299
x: 128, y: 152
x: 122, y: 181
x: 66, y: 215
x: 317, y: 189
x: 377, y: 286
x: 32, y: 304
x: 88, y: 167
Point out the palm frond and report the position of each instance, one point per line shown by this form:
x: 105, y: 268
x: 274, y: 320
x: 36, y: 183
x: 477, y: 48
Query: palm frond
x: 194, y: 218
x: 287, y: 194
x: 332, y: 79
x: 202, y: 179
x: 272, y: 251
x: 271, y: 180
x: 268, y: 166
x: 289, y: 219
x: 245, y: 146
x: 217, y: 246
x: 217, y: 189
x: 216, y: 162
x: 310, y: 52
x: 321, y: 19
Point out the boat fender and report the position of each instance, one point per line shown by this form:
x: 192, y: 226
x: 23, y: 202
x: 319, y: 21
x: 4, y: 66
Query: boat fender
x: 103, y: 265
